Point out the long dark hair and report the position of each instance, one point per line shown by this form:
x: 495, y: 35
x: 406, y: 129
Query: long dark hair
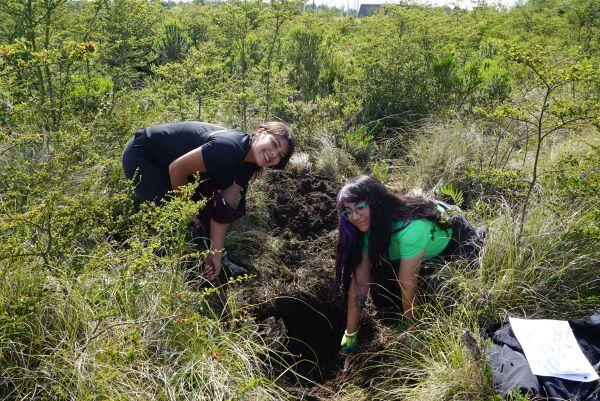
x: 386, y: 208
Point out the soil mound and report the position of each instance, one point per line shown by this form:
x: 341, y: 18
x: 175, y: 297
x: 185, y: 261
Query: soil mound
x: 304, y: 206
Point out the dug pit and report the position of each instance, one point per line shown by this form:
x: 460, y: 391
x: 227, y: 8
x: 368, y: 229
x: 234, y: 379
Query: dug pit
x: 314, y: 328
x: 311, y: 328
x: 304, y: 215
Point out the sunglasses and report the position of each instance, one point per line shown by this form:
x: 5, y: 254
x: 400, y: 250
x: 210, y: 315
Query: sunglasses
x: 359, y: 207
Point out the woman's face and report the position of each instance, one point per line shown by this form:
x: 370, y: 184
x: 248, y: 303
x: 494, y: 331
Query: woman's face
x: 268, y: 149
x: 359, y: 214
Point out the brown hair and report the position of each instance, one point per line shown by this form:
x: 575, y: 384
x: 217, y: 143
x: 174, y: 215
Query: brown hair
x: 285, y: 131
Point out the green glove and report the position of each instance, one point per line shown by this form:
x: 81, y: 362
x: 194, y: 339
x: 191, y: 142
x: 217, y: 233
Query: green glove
x: 349, y: 343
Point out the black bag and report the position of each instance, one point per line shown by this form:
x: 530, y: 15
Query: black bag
x: 217, y: 207
x: 510, y: 370
x: 219, y: 210
x: 466, y: 240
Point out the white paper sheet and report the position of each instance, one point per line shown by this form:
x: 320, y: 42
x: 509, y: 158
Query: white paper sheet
x: 552, y: 350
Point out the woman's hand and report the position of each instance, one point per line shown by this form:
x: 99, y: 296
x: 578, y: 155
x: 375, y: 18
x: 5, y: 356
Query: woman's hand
x: 349, y: 343
x: 213, y: 266
x: 218, y: 231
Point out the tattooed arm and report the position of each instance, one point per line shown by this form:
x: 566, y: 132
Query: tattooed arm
x: 357, y: 293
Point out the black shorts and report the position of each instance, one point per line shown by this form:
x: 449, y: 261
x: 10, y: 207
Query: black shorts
x: 151, y: 180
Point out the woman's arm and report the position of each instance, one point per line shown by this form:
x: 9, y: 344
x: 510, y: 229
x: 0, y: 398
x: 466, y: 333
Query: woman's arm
x: 218, y: 232
x: 184, y: 166
x: 357, y: 293
x: 407, y: 279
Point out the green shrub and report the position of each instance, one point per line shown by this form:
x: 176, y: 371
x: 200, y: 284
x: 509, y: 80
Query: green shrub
x: 494, y: 184
x: 359, y: 144
x: 576, y: 178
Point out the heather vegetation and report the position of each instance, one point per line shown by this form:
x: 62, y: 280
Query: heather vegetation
x: 494, y: 109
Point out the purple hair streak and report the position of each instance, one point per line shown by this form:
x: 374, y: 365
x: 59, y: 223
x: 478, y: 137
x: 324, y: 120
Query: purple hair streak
x: 347, y: 234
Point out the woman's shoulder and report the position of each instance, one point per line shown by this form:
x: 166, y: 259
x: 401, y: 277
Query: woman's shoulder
x: 185, y: 126
x: 409, y: 237
x: 412, y: 230
x: 228, y: 139
x: 223, y: 153
x: 400, y: 226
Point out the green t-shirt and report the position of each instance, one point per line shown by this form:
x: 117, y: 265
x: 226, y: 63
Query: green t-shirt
x: 419, y: 234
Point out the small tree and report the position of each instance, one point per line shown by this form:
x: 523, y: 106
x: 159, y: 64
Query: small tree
x: 553, y: 100
x: 240, y: 22
x: 205, y: 71
x: 280, y: 12
x: 126, y: 36
x: 36, y: 21
x: 584, y: 16
x: 173, y: 43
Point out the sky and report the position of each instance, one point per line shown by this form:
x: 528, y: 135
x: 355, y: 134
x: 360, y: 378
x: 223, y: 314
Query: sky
x: 452, y: 3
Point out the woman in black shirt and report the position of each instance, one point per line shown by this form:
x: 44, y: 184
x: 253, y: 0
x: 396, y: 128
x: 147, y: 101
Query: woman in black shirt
x: 164, y: 157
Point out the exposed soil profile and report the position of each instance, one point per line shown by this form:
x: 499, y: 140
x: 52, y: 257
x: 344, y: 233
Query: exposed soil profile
x: 302, y: 304
x: 304, y: 214
x: 304, y: 206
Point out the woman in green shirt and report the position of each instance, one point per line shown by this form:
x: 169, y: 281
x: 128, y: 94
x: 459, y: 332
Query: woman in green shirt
x: 383, y: 240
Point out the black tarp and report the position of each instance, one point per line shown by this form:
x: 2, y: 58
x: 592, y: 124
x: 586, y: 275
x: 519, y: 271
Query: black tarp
x: 510, y: 369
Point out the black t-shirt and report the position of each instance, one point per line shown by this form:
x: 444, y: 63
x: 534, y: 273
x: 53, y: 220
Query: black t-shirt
x: 223, y: 150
